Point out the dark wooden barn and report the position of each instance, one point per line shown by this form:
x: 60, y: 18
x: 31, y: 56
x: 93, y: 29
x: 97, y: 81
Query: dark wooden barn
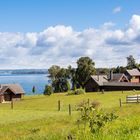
x: 114, y: 82
x: 9, y: 92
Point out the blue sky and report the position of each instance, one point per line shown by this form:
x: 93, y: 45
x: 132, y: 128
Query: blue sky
x: 35, y: 15
x: 41, y: 33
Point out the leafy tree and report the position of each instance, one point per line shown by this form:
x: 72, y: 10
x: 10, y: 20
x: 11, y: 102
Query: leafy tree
x: 85, y: 68
x: 102, y: 70
x: 33, y: 89
x: 119, y: 69
x: 59, y: 77
x: 48, y: 90
x: 53, y: 72
x: 131, y: 63
x: 60, y: 85
x: 72, y: 76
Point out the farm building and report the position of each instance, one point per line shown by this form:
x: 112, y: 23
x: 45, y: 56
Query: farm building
x: 9, y: 92
x: 133, y: 75
x: 114, y: 82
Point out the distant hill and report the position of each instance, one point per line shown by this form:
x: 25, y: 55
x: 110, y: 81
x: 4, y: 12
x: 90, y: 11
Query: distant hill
x: 23, y: 71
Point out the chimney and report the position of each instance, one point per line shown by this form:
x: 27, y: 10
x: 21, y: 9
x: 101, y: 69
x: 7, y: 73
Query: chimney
x: 98, y: 77
x: 111, y: 75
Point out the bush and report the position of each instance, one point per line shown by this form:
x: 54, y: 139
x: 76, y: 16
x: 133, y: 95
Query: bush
x: 94, y: 118
x: 76, y: 92
x: 48, y: 90
x: 95, y: 104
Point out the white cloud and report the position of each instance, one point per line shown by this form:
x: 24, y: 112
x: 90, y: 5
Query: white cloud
x: 117, y: 9
x: 62, y: 45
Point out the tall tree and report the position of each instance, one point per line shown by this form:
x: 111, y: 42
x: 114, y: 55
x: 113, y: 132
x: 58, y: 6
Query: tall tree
x: 85, y: 68
x: 59, y: 77
x: 72, y: 76
x: 54, y: 72
x: 119, y: 69
x: 131, y: 63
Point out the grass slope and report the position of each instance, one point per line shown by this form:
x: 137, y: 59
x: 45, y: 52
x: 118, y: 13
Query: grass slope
x: 36, y: 117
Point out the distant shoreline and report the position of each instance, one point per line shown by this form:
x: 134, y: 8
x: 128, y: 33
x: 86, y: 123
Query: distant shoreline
x: 23, y: 72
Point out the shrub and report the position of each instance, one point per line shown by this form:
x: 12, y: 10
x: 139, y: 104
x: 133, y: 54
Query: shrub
x: 100, y: 119
x: 94, y: 118
x: 48, y: 90
x: 76, y: 92
x: 79, y: 91
x: 95, y: 104
x: 71, y: 92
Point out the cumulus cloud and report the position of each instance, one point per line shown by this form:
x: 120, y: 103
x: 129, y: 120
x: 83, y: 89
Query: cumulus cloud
x: 62, y: 45
x: 117, y: 9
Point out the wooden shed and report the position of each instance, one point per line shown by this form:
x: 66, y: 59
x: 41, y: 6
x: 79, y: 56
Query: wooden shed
x: 9, y: 92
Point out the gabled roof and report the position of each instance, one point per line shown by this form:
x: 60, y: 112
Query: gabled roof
x: 133, y: 72
x: 99, y: 79
x: 117, y: 77
x: 15, y: 88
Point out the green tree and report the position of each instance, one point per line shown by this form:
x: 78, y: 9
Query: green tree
x: 72, y: 76
x: 119, y: 69
x: 131, y: 63
x: 33, y: 89
x: 59, y: 77
x: 85, y: 68
x: 53, y: 72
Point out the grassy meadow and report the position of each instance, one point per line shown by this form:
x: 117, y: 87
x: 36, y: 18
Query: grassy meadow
x: 37, y: 118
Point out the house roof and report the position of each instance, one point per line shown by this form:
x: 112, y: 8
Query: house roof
x: 126, y: 84
x: 15, y: 88
x: 99, y: 79
x: 117, y: 77
x: 133, y: 72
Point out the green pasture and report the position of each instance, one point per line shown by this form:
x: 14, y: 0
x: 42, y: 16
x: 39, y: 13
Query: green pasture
x: 37, y: 117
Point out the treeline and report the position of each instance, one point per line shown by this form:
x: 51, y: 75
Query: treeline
x: 65, y: 79
x: 131, y: 63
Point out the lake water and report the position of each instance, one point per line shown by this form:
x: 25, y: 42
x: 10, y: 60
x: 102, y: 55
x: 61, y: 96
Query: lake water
x: 27, y: 81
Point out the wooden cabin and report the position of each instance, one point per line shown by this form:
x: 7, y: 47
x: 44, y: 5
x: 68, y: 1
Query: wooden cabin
x: 133, y: 75
x: 114, y: 82
x: 9, y: 92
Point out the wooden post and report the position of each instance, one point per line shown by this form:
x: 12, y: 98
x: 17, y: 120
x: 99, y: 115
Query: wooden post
x: 102, y: 91
x: 122, y: 91
x: 12, y: 104
x: 69, y: 109
x: 120, y: 101
x: 137, y: 98
x: 59, y: 105
x: 88, y: 102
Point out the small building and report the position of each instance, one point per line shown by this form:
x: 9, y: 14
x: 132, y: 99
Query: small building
x: 9, y: 92
x: 133, y: 75
x: 114, y: 82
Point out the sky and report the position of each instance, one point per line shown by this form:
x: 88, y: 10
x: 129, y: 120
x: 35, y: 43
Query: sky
x: 41, y: 33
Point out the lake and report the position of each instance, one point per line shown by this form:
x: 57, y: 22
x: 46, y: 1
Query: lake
x: 27, y: 81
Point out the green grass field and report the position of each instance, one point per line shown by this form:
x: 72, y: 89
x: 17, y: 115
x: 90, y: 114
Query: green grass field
x: 37, y: 117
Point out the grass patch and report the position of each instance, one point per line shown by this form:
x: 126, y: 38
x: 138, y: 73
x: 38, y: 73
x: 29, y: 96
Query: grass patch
x: 37, y: 117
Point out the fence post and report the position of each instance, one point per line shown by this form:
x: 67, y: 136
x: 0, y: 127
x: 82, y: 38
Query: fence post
x: 120, y: 101
x: 122, y: 91
x: 59, y: 105
x: 69, y: 109
x: 137, y: 98
x: 88, y: 101
x: 12, y: 104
